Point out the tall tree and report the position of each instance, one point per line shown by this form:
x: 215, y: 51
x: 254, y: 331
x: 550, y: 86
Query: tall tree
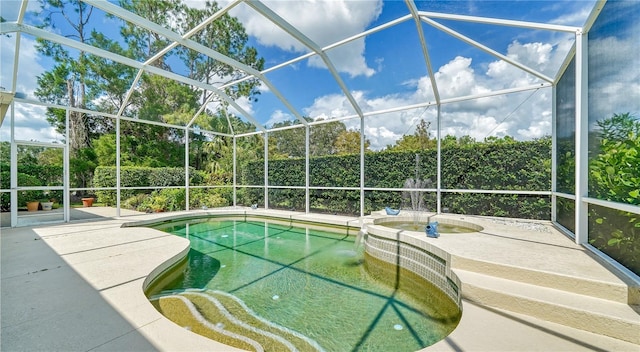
x: 287, y: 142
x: 66, y: 83
x: 85, y: 81
x: 348, y: 142
x: 419, y: 140
x: 111, y: 79
x: 143, y: 42
x: 322, y: 138
x: 225, y: 35
x: 618, y: 127
x: 219, y: 149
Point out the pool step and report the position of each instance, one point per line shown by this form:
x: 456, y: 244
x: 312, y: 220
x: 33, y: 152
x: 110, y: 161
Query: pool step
x: 221, y: 311
x: 184, y: 313
x: 597, y: 315
x: 616, y: 290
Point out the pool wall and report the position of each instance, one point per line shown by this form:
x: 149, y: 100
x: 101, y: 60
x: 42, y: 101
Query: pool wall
x: 416, y: 255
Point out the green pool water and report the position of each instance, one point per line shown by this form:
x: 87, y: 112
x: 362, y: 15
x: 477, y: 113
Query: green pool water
x: 315, y: 283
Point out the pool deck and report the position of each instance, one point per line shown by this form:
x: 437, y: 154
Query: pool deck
x: 78, y: 287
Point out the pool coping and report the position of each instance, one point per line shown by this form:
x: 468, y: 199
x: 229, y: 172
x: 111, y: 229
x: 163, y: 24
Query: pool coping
x: 99, y: 259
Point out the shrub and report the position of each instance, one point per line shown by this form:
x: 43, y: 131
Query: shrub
x: 134, y: 176
x: 173, y: 199
x: 506, y: 166
x: 205, y: 197
x: 23, y: 196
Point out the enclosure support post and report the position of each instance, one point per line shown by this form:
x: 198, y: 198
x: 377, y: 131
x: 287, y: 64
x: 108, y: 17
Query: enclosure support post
x: 307, y: 194
x: 118, y: 165
x: 66, y: 196
x: 266, y: 170
x: 582, y: 156
x: 14, y: 171
x: 362, y: 144
x: 235, y: 180
x: 439, y: 165
x: 186, y: 168
x: 554, y: 146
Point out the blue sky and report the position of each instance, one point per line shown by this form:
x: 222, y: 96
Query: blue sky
x: 382, y: 71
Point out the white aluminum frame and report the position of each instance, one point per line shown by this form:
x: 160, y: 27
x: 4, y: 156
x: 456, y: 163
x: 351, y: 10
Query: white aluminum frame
x: 420, y: 18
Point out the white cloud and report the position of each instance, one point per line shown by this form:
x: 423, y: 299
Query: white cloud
x: 524, y: 115
x: 323, y: 22
x: 30, y: 120
x: 616, y: 83
x: 28, y: 63
x: 572, y: 18
x: 243, y: 102
x: 534, y: 55
x: 30, y: 125
x: 278, y: 116
x: 538, y: 128
x: 330, y: 106
x: 380, y: 136
x: 457, y: 78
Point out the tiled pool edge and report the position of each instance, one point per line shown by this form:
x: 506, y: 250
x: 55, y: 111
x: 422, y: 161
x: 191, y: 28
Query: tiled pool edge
x: 423, y: 259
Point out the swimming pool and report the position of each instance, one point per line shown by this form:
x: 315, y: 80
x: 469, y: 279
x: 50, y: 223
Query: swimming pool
x: 291, y: 286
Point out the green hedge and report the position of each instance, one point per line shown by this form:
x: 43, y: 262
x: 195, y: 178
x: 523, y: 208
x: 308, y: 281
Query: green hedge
x: 47, y: 175
x: 134, y: 176
x: 26, y: 178
x: 521, y: 166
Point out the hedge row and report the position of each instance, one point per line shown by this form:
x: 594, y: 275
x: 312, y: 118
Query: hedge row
x: 513, y: 166
x: 29, y: 176
x: 133, y: 176
x: 47, y: 175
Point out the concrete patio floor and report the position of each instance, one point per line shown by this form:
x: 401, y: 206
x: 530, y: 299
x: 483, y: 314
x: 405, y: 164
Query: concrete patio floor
x: 78, y: 287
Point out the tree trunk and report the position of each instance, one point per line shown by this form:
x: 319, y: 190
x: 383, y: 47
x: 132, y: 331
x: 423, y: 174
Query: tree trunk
x: 78, y: 135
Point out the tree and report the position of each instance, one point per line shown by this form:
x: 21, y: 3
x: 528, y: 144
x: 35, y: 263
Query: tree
x: 50, y: 156
x: 85, y: 81
x: 227, y: 36
x: 449, y: 141
x: 290, y: 143
x: 466, y: 140
x: 165, y: 100
x: 618, y: 127
x: 5, y: 152
x: 322, y: 138
x: 419, y: 140
x: 348, y: 142
x: 79, y: 80
x: 615, y: 171
x: 144, y: 43
x: 105, y: 149
x: 287, y: 143
x: 614, y: 175
x: 499, y: 140
x: 219, y: 149
x: 83, y: 164
x: 67, y: 82
x: 112, y: 80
